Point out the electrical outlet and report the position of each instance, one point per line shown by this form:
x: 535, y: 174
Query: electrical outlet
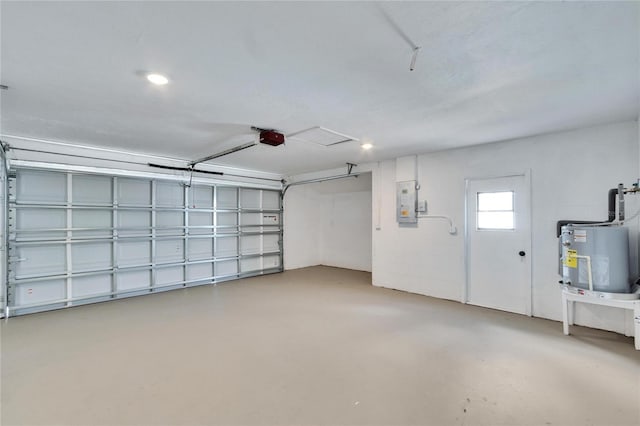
x: 422, y: 206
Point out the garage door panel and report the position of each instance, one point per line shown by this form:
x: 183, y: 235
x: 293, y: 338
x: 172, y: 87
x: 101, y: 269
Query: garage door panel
x: 168, y: 251
x: 248, y: 219
x: 91, y: 286
x: 250, y: 244
x: 227, y: 223
x: 34, y: 260
x: 250, y: 265
x: 91, y: 256
x: 270, y: 200
x: 129, y: 280
x: 250, y: 198
x: 226, y: 267
x: 41, y: 187
x: 271, y: 243
x: 33, y: 223
x: 170, y: 275
x: 91, y: 218
x: 173, y: 221
x: 226, y: 247
x: 201, y: 197
x: 169, y: 194
x: 131, y: 222
x: 200, y: 219
x: 200, y: 248
x: 134, y: 253
x: 92, y: 189
x: 40, y: 292
x: 227, y: 197
x: 27, y: 218
x: 134, y: 192
x: 272, y: 261
x: 100, y: 220
x: 199, y: 271
x: 271, y: 219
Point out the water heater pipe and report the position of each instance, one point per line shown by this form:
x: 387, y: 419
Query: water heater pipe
x: 613, y: 193
x: 611, y: 202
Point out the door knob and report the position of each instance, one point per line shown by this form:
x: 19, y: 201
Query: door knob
x: 521, y: 253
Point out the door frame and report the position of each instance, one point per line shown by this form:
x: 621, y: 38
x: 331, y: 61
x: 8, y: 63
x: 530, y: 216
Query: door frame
x: 526, y: 174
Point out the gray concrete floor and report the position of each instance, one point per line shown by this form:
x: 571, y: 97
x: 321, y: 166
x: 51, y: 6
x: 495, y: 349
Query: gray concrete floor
x: 312, y: 346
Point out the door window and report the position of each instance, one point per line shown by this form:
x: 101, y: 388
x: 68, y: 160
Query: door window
x: 495, y: 211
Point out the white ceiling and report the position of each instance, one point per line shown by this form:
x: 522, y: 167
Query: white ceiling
x: 487, y: 71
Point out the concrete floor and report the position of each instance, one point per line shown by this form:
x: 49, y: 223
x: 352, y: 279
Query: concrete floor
x: 312, y: 346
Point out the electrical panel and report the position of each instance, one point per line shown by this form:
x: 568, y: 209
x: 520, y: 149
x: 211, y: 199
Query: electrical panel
x: 406, y: 202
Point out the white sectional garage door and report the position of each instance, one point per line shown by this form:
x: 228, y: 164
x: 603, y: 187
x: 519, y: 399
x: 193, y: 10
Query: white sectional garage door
x: 80, y: 238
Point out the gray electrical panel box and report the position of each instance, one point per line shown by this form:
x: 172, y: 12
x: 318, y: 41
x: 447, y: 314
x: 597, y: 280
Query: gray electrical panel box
x: 406, y: 202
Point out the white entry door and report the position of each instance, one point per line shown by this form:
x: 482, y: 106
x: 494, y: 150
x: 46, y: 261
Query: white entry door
x: 498, y: 231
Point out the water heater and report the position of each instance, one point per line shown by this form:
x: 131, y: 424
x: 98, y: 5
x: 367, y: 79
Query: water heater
x: 596, y: 254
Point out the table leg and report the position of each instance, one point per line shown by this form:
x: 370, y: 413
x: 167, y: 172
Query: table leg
x: 628, y: 322
x: 565, y: 315
x: 571, y: 305
x: 636, y: 323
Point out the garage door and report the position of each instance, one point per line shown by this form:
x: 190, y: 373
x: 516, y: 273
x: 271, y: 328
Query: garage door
x: 80, y: 238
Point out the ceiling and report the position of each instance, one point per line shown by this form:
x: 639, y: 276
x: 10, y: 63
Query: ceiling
x: 486, y: 71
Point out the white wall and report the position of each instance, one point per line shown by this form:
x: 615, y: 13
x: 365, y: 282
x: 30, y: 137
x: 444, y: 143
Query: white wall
x: 571, y: 173
x: 346, y: 236
x: 302, y: 229
x: 329, y: 224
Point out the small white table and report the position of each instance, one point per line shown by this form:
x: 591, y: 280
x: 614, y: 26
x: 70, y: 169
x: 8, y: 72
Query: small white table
x: 570, y: 297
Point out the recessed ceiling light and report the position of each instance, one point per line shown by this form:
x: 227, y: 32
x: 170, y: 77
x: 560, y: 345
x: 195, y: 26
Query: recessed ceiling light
x: 366, y: 145
x: 158, y: 79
